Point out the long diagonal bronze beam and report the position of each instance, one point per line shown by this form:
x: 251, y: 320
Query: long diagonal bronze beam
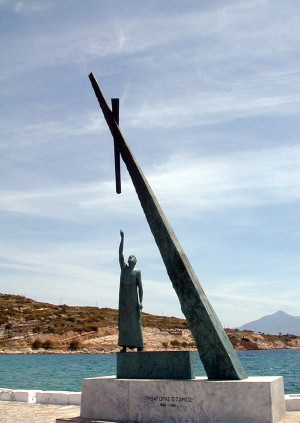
x: 215, y: 350
x: 115, y: 112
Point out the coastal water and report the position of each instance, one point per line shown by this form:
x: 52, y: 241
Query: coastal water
x: 64, y: 372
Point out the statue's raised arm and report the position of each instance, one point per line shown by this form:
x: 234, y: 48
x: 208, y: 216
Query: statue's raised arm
x: 121, y: 255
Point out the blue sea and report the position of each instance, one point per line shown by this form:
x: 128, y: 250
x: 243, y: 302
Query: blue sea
x: 64, y: 372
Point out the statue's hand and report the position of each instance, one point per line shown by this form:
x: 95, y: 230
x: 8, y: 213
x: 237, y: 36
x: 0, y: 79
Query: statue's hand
x: 122, y: 234
x: 140, y: 306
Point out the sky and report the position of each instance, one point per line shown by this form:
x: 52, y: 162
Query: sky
x: 209, y: 103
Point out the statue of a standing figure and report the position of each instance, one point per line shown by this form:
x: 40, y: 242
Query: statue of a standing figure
x: 130, y: 303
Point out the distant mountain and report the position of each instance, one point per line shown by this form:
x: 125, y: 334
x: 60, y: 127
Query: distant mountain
x: 274, y: 324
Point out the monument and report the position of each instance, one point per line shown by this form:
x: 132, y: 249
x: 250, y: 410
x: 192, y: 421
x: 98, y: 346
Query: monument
x: 215, y: 350
x: 140, y: 395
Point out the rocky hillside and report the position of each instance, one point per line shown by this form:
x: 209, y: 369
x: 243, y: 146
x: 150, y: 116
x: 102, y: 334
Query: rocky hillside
x: 29, y: 326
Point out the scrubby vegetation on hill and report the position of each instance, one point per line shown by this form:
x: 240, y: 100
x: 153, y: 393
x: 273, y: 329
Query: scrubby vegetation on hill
x: 31, y: 326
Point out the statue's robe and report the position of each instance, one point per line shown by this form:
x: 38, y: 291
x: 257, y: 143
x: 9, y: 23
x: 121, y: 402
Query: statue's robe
x: 130, y: 327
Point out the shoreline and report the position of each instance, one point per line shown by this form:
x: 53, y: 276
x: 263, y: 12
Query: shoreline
x: 30, y: 351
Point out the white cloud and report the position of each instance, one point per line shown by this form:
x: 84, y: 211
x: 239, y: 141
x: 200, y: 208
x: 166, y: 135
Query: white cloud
x: 244, y: 179
x: 64, y: 202
x: 36, y: 133
x: 190, y: 30
x: 71, y: 261
x: 256, y: 96
x: 248, y: 293
x: 28, y: 7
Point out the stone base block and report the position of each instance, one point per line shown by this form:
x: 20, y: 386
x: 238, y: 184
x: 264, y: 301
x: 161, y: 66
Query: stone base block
x: 52, y: 397
x: 5, y: 394
x: 58, y: 397
x: 74, y: 398
x: 292, y: 402
x: 256, y: 399
x: 23, y: 396
x: 156, y: 365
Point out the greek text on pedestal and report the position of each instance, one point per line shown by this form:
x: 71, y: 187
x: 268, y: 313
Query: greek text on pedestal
x: 165, y: 401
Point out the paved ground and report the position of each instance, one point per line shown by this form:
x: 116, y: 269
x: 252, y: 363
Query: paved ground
x: 20, y: 412
x: 293, y: 417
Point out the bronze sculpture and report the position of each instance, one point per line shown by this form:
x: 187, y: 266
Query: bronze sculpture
x: 130, y: 303
x: 215, y: 349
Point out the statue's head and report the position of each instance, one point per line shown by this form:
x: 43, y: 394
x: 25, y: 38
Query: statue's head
x: 132, y: 261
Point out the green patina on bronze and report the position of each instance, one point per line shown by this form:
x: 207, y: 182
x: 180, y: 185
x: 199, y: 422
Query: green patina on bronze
x: 215, y: 350
x: 156, y: 365
x: 130, y: 303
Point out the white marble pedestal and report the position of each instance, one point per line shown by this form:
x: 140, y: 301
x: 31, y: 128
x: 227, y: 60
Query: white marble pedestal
x: 256, y: 399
